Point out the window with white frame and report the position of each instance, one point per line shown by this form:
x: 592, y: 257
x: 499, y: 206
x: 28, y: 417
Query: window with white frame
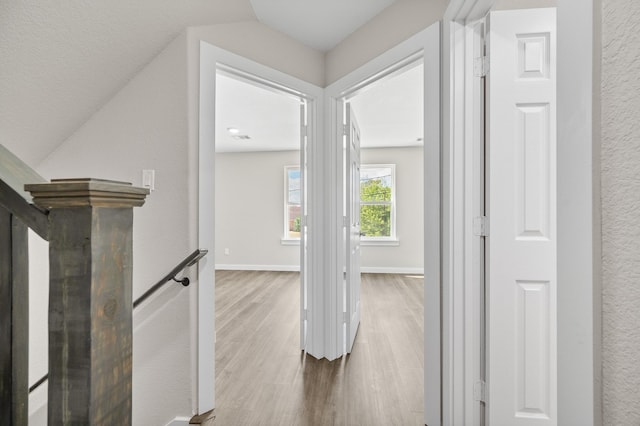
x: 377, y: 201
x: 292, y: 206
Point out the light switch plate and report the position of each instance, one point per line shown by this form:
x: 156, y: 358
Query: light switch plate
x: 149, y: 179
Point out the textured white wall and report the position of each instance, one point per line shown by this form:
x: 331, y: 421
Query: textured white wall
x: 392, y: 26
x: 621, y: 211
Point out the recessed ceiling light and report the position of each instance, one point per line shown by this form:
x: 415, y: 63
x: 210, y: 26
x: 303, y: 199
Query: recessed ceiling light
x: 233, y: 130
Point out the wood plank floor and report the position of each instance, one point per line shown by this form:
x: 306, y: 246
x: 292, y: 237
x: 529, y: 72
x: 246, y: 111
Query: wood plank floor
x: 262, y: 378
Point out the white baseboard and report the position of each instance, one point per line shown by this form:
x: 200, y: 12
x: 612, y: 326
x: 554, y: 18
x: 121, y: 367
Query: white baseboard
x: 283, y: 268
x: 393, y: 270
x: 179, y: 421
x: 295, y: 268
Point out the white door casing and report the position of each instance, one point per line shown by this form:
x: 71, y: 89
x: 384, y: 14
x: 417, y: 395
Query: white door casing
x: 522, y: 272
x: 425, y: 44
x: 352, y: 224
x: 202, y: 134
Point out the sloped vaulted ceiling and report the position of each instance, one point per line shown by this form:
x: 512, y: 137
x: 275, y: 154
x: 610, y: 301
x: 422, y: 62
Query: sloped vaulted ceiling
x: 60, y: 61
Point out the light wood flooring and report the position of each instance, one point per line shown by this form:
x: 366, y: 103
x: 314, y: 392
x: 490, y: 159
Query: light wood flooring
x: 262, y: 377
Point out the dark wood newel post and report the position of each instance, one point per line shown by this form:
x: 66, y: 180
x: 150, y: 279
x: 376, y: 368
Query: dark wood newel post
x: 90, y: 298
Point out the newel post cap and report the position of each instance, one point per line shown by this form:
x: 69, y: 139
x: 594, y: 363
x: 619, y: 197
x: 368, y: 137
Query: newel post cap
x: 86, y: 192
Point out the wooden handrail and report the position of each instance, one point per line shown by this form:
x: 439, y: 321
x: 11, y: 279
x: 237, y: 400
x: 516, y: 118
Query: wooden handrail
x: 17, y: 214
x: 30, y: 215
x: 14, y: 175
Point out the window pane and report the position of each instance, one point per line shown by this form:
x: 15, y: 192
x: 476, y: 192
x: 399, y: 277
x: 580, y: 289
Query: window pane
x: 293, y: 221
x: 375, y: 220
x: 375, y: 184
x: 293, y: 183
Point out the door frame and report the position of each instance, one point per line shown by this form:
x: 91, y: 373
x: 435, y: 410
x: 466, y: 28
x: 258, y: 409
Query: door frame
x: 204, y: 58
x: 579, y: 239
x: 425, y: 44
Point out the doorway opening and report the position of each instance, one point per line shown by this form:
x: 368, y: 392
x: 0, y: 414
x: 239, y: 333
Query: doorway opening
x: 260, y: 228
x: 423, y: 48
x: 259, y: 145
x: 382, y: 175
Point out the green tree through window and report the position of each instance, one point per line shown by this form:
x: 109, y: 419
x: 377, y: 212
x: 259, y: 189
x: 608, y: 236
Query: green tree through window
x: 376, y: 201
x: 377, y: 198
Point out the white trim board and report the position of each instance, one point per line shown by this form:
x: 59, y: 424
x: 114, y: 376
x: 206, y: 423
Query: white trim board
x: 281, y: 268
x: 384, y: 270
x: 179, y: 421
x: 296, y: 268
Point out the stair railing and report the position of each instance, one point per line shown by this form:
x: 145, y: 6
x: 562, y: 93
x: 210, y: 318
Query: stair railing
x: 88, y: 224
x: 190, y: 260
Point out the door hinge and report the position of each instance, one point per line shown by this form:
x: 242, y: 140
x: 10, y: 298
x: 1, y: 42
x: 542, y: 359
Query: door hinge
x: 344, y: 130
x: 305, y: 220
x: 305, y: 314
x: 481, y: 226
x: 481, y: 66
x: 345, y: 221
x: 480, y: 391
x: 344, y: 317
x: 344, y: 275
x: 304, y: 131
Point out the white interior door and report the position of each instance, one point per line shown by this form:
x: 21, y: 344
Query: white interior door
x: 304, y: 276
x: 522, y: 274
x: 352, y: 202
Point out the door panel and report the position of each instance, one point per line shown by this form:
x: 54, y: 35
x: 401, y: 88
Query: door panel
x: 353, y: 227
x: 522, y: 210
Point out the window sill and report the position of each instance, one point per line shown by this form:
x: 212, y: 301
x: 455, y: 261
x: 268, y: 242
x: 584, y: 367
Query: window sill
x: 388, y: 242
x: 290, y: 241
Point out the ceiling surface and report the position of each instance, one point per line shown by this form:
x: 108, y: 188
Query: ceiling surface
x: 318, y: 24
x: 62, y: 60
x: 269, y: 119
x: 389, y: 112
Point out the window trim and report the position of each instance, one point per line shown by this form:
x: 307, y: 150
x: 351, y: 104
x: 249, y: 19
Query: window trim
x: 392, y: 239
x: 389, y: 241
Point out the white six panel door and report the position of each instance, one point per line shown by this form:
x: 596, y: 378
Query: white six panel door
x: 522, y: 274
x: 353, y: 227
